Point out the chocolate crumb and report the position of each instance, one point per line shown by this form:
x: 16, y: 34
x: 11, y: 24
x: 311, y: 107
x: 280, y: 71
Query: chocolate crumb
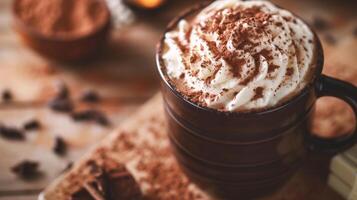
x: 61, y: 105
x: 90, y: 96
x: 289, y: 71
x: 320, y: 23
x: 26, y: 169
x: 61, y: 102
x: 103, y: 120
x: 11, y: 133
x: 91, y: 115
x: 330, y: 39
x: 272, y: 68
x: 62, y: 91
x: 182, y: 76
x: 94, y: 190
x: 6, y: 96
x: 115, y: 184
x: 60, y: 147
x: 123, y: 185
x: 258, y: 93
x: 32, y: 125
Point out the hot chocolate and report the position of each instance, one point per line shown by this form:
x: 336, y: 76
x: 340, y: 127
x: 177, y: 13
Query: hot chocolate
x: 239, y: 56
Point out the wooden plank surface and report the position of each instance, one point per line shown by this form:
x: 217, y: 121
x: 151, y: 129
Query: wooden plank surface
x: 124, y: 76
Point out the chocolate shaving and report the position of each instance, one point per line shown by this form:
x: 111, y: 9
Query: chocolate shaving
x: 255, y: 71
x: 90, y: 96
x: 289, y: 71
x: 6, y: 96
x: 11, y: 133
x: 194, y: 58
x: 213, y: 76
x: 60, y: 147
x: 110, y: 185
x: 91, y: 115
x: 26, y: 170
x: 236, y: 66
x: 96, y: 189
x: 258, y: 93
x: 182, y: 47
x: 94, y: 192
x: 32, y: 125
x: 124, y: 186
x: 272, y: 68
x: 182, y: 76
x: 224, y: 23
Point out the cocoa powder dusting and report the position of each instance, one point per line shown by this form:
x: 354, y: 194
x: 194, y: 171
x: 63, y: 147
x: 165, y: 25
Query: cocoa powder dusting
x: 224, y: 24
x: 272, y: 68
x: 62, y: 17
x: 237, y: 42
x: 258, y: 93
x: 289, y: 71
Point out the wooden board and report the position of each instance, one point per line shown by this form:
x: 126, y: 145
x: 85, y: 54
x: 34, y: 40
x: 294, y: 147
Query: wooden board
x: 124, y: 75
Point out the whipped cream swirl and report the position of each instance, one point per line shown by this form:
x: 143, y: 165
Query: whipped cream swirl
x: 239, y: 55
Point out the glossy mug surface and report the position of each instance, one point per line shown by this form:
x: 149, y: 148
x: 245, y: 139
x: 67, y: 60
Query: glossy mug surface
x: 246, y: 155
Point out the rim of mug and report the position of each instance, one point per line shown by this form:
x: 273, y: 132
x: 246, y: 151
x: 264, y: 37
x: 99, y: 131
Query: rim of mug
x: 319, y: 61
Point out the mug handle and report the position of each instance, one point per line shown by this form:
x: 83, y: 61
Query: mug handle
x: 328, y: 86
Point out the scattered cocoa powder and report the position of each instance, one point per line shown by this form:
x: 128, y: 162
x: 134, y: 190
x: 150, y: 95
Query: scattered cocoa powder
x: 63, y: 17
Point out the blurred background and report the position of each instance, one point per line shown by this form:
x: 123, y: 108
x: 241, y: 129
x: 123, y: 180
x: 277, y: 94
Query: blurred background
x: 37, y: 91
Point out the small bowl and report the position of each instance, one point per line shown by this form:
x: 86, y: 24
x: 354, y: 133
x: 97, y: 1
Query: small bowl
x: 69, y: 48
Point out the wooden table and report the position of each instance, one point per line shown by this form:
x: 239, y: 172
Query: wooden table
x: 124, y: 76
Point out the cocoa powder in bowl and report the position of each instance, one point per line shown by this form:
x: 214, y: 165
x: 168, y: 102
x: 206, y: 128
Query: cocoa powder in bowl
x: 63, y: 18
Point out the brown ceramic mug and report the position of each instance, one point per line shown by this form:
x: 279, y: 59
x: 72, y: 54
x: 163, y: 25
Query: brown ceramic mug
x: 247, y: 155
